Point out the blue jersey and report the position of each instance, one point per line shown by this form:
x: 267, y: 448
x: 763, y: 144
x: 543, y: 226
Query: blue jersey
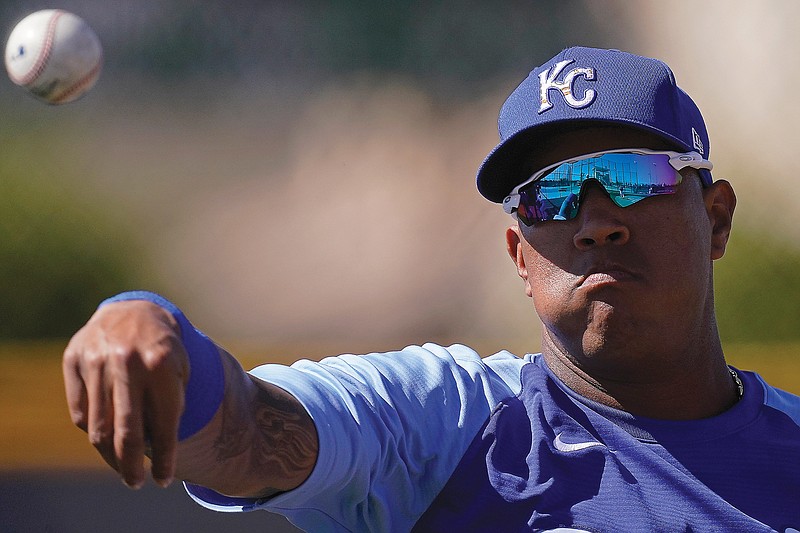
x: 438, y: 439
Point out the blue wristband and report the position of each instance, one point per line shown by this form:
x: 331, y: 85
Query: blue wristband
x: 206, y: 386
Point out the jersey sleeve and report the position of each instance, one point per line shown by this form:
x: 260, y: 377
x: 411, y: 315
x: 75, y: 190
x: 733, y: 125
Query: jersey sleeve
x: 392, y: 427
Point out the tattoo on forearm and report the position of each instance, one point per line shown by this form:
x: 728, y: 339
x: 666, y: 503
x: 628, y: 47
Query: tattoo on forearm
x: 232, y: 439
x: 279, y: 438
x: 289, y: 440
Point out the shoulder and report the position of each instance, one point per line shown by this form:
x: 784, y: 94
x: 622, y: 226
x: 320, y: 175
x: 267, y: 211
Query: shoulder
x: 413, y: 369
x: 778, y: 399
x: 392, y: 427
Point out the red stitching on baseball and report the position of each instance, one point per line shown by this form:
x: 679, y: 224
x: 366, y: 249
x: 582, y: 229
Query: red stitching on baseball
x: 44, y: 55
x: 80, y: 84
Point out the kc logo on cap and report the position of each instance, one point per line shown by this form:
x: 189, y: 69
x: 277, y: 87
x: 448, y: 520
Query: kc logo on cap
x: 548, y: 81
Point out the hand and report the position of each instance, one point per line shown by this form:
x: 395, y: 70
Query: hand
x: 125, y: 373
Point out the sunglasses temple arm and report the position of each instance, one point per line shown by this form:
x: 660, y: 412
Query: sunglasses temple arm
x: 510, y: 203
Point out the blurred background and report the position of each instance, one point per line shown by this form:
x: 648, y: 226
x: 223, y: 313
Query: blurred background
x: 299, y: 178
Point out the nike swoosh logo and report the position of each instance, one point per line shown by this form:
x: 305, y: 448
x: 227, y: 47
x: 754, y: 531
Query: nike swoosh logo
x: 572, y: 446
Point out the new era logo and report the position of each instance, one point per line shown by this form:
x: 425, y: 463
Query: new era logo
x: 697, y: 142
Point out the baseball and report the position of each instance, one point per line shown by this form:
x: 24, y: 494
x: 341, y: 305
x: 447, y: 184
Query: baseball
x: 55, y: 55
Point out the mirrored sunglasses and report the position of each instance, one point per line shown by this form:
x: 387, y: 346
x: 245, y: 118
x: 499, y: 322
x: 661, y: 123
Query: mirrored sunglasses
x: 628, y: 176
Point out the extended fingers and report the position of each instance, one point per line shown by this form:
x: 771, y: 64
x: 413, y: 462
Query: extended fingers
x: 124, y: 376
x: 164, y: 403
x: 162, y: 427
x: 129, y: 437
x: 75, y: 389
x: 100, y: 411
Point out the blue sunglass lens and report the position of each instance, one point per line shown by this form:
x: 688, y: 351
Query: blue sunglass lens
x: 627, y: 178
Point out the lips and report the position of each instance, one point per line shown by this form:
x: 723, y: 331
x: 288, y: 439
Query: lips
x: 606, y: 274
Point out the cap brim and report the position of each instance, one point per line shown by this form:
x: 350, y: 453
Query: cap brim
x: 507, y: 165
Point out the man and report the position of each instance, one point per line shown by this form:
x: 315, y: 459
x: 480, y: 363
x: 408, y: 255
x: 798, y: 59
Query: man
x: 628, y: 420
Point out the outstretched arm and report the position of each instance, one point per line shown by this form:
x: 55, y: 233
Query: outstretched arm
x: 126, y: 374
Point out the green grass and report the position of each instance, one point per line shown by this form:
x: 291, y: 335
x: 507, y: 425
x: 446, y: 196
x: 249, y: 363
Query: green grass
x: 61, y: 250
x: 778, y: 363
x: 757, y: 292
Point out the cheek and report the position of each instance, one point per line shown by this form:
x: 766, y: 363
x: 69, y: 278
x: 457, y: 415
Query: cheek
x: 678, y: 252
x: 550, y: 285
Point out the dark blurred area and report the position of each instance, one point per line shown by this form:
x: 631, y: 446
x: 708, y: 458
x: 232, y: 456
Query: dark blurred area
x: 453, y: 47
x: 92, y: 502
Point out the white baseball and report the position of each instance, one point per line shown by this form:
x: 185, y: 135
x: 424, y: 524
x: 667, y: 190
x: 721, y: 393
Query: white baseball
x: 55, y: 55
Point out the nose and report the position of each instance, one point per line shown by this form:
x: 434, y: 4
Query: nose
x: 600, y: 223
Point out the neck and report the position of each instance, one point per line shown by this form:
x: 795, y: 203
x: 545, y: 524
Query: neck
x: 674, y: 385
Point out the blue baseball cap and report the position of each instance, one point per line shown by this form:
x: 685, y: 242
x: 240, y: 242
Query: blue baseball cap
x: 582, y: 86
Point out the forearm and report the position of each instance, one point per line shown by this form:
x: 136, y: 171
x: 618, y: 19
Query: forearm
x: 140, y: 379
x: 260, y: 442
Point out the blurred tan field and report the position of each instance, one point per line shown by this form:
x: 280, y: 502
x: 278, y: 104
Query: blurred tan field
x: 37, y: 434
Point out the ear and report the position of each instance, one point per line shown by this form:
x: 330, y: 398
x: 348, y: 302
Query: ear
x: 514, y: 248
x: 720, y: 203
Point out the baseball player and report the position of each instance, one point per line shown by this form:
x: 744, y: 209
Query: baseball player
x: 628, y: 419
